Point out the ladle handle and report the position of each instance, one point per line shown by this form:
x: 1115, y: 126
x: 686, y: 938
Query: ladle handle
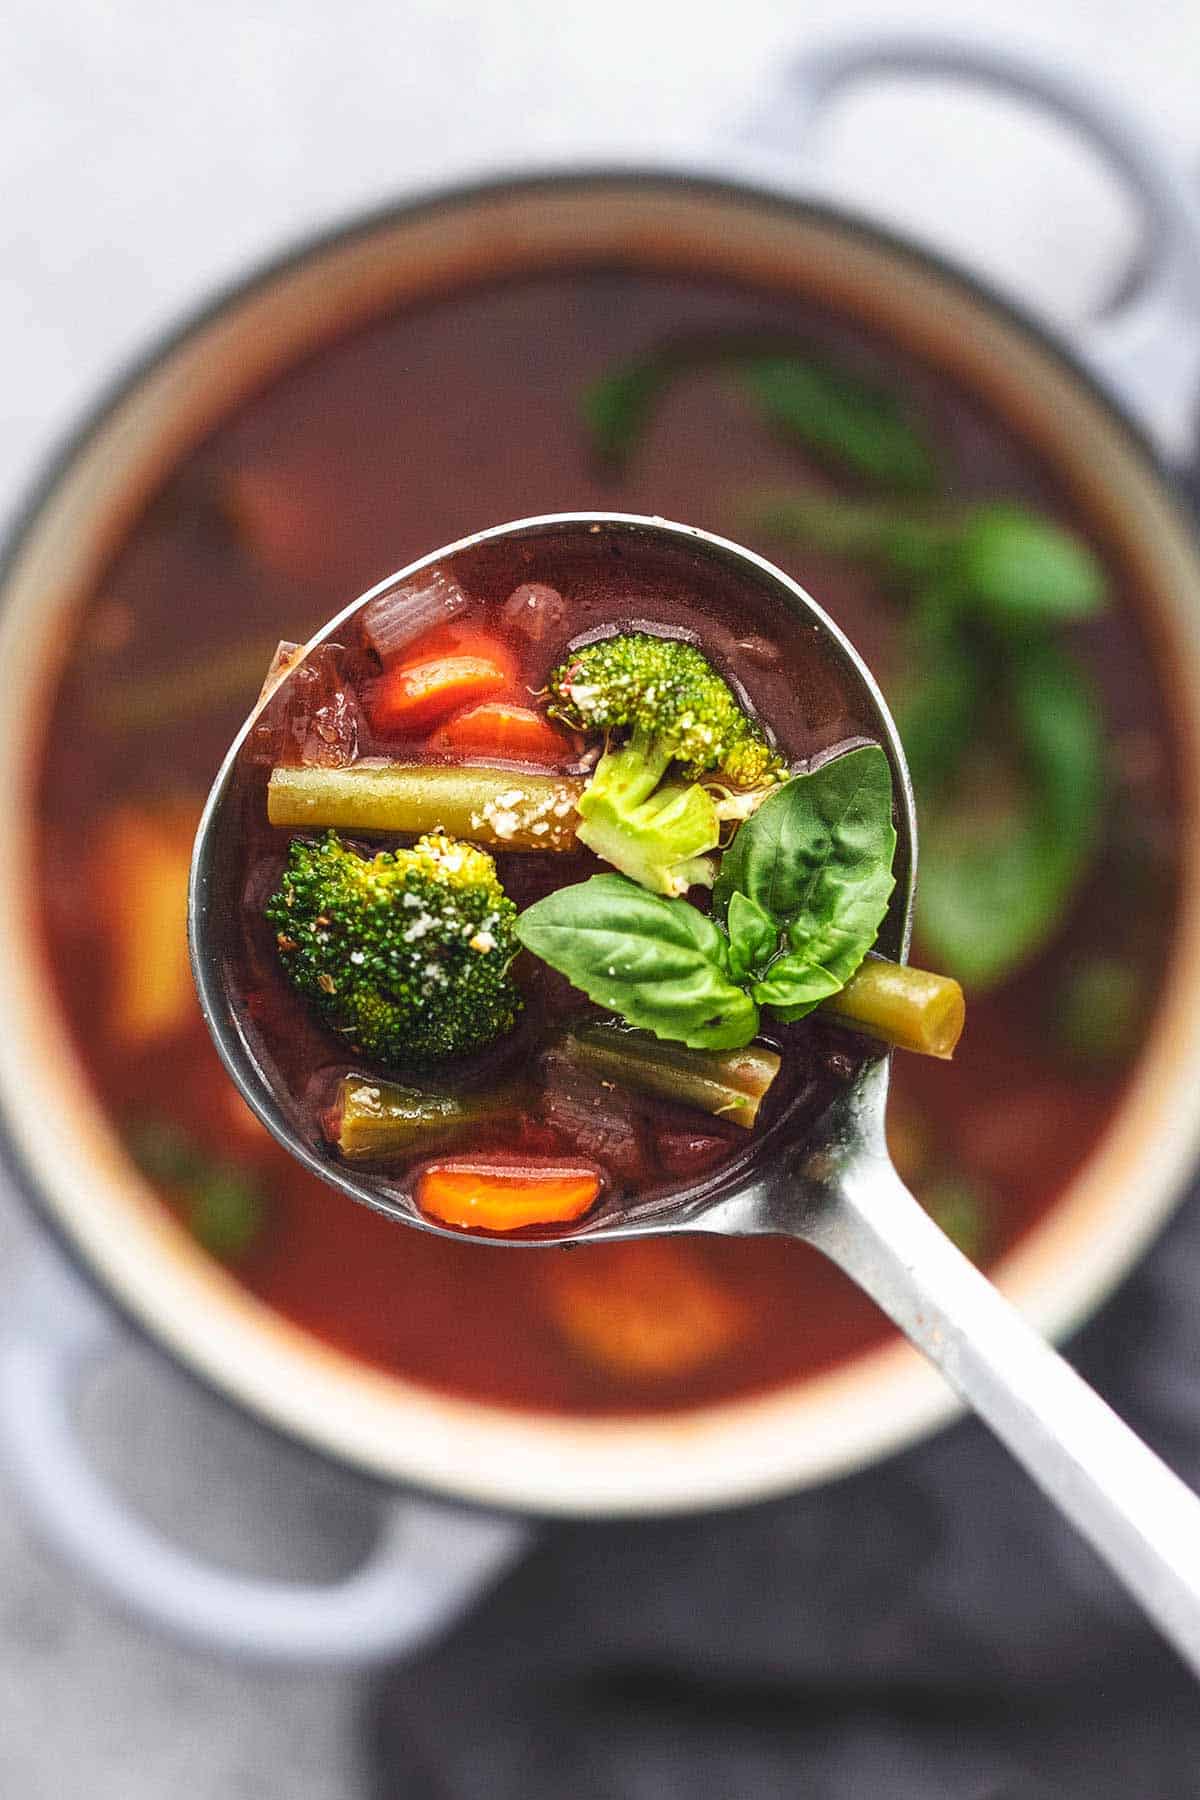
x: 1140, y: 1517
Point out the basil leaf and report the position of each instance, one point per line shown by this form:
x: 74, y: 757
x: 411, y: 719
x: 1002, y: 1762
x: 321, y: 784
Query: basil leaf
x: 658, y: 963
x: 1005, y: 848
x: 855, y: 424
x: 793, y: 985
x: 838, y: 931
x: 842, y: 418
x: 1020, y: 570
x: 618, y: 408
x: 813, y: 836
x: 165, y: 1152
x: 753, y: 935
x: 817, y: 857
x: 939, y: 714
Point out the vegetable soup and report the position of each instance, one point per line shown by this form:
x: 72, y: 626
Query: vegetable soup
x: 1018, y: 665
x: 614, y: 943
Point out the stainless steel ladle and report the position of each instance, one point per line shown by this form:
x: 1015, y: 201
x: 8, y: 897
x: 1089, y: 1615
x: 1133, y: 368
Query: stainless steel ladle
x: 836, y: 1189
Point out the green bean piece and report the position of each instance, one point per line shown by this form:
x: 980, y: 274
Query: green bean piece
x: 154, y: 702
x: 510, y: 809
x: 374, y: 1119
x: 910, y: 1009
x: 730, y: 1084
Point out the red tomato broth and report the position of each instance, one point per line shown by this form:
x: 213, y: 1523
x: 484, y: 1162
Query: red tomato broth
x: 464, y: 381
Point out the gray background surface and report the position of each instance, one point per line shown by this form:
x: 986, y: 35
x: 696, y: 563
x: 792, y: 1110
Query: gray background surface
x: 149, y: 153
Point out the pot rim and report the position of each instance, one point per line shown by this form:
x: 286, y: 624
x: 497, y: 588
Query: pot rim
x: 917, y: 1401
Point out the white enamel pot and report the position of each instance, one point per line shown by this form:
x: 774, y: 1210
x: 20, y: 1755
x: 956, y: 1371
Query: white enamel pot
x: 462, y: 1483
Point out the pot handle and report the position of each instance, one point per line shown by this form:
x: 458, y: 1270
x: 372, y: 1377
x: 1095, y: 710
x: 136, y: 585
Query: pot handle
x: 426, y: 1567
x: 1144, y: 349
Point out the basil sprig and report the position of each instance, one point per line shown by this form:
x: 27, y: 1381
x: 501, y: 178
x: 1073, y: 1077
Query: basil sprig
x: 1002, y: 728
x: 1003, y: 732
x: 798, y: 903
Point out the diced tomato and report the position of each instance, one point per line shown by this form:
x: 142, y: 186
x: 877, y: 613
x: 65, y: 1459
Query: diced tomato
x: 535, y: 611
x: 689, y: 1152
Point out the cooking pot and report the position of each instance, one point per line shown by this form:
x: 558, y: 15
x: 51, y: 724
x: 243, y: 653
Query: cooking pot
x: 461, y: 1481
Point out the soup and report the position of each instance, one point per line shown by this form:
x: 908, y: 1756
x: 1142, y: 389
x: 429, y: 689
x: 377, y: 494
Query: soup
x: 407, y: 433
x: 613, y: 946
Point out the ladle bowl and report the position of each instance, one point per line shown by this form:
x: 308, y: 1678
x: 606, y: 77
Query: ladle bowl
x: 834, y: 1186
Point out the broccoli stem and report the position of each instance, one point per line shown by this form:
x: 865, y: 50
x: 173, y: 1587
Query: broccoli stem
x: 371, y: 1119
x: 629, y: 775
x: 662, y: 844
x: 514, y: 811
x: 730, y: 1084
x: 910, y: 1009
x: 659, y: 836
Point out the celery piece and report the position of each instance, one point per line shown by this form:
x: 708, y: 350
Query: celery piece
x: 502, y: 807
x: 395, y: 619
x: 230, y: 677
x: 909, y: 1009
x: 372, y: 1119
x: 730, y: 1084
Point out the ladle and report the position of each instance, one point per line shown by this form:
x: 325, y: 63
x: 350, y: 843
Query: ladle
x: 836, y: 1189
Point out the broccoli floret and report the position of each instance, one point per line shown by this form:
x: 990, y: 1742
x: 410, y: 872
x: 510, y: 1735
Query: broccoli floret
x: 662, y: 705
x: 405, y: 954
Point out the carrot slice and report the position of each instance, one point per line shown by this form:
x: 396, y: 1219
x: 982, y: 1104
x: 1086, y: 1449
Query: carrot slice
x: 493, y: 1197
x: 504, y: 729
x: 137, y: 883
x: 458, y: 638
x: 651, y: 1310
x: 409, y: 698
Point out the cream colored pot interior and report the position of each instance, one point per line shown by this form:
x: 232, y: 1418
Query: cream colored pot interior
x: 719, y: 1454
